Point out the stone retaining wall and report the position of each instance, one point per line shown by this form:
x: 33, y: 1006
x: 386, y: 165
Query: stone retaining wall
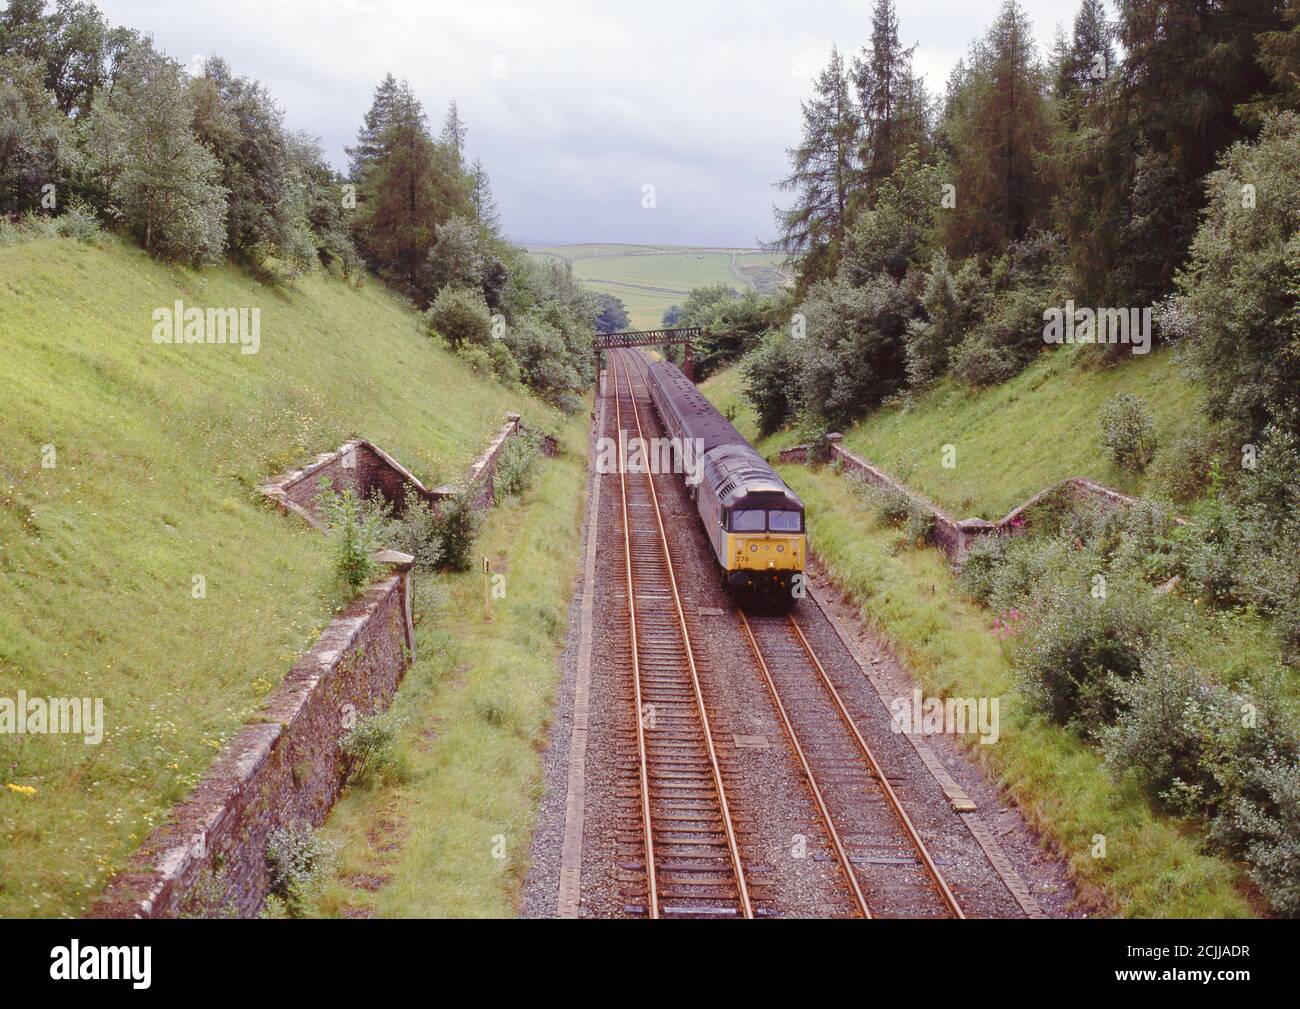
x: 954, y: 536
x: 287, y: 765
x: 365, y: 468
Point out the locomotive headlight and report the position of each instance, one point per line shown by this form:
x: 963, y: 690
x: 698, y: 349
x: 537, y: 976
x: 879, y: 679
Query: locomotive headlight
x: 780, y: 548
x: 753, y: 548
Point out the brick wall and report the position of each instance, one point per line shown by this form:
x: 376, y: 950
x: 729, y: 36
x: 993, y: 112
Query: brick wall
x: 365, y: 468
x: 954, y: 536
x: 286, y: 765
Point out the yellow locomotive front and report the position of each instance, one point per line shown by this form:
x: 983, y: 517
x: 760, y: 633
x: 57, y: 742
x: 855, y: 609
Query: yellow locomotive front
x: 765, y: 549
x: 757, y: 529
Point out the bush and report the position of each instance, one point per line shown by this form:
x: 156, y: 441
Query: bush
x: 1076, y: 648
x: 1231, y: 758
x: 1146, y: 541
x: 1267, y: 826
x: 954, y: 303
x: 356, y: 526
x: 1182, y: 468
x: 980, y: 566
x: 371, y: 745
x: 900, y: 510
x: 460, y: 316
x: 418, y: 533
x: 459, y: 524
x: 517, y: 464
x: 297, y: 861
x: 1128, y: 432
x: 771, y: 379
x: 1162, y: 731
x: 78, y: 221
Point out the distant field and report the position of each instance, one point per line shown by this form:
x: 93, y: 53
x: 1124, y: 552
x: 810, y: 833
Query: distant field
x: 651, y: 278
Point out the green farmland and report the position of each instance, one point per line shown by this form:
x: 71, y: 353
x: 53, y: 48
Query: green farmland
x: 651, y: 278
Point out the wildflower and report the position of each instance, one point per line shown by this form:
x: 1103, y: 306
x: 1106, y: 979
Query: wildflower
x: 20, y: 789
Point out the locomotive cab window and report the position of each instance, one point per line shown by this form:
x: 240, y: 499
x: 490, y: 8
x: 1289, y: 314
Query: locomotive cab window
x: 784, y: 521
x: 749, y: 520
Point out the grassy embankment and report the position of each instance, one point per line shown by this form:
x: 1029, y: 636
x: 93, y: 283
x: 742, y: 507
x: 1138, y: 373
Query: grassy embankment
x: 158, y: 450
x: 1012, y: 441
x: 449, y: 836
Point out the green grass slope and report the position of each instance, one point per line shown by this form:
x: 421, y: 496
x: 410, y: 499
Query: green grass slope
x: 158, y: 450
x: 1011, y: 440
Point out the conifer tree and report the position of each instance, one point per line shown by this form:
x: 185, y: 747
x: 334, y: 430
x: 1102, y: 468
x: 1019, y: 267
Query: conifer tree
x: 373, y: 127
x: 891, y: 98
x: 823, y: 168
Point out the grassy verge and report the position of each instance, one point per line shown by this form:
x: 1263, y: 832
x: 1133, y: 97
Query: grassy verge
x: 1153, y: 866
x: 1011, y: 440
x: 449, y: 837
x: 155, y: 453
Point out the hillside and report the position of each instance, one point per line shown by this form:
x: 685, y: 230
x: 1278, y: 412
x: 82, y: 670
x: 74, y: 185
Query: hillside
x: 1011, y: 440
x: 157, y: 453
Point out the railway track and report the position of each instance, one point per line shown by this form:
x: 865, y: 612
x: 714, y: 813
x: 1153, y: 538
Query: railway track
x: 692, y: 853
x: 692, y: 860
x: 885, y: 863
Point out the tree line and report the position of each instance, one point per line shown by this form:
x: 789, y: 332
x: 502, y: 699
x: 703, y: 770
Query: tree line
x: 1143, y: 161
x: 97, y: 127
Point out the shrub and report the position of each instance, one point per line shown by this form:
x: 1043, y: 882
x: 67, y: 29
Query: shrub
x: 771, y: 379
x: 459, y: 524
x: 897, y: 508
x: 297, y: 861
x: 1267, y: 826
x: 418, y: 533
x: 1162, y: 731
x: 1182, y: 468
x: 1146, y: 543
x: 78, y: 221
x: 460, y: 316
x: 371, y: 745
x: 980, y: 566
x: 1128, y: 431
x: 1076, y: 647
x: 356, y: 527
x: 1032, y: 563
x: 476, y: 358
x: 517, y: 464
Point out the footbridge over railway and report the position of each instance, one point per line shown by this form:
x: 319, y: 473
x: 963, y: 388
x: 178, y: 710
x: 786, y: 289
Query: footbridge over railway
x: 684, y: 335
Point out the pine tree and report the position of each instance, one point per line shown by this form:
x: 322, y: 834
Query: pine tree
x: 891, y: 98
x: 823, y: 167
x: 399, y: 206
x: 454, y: 132
x: 1091, y: 56
x: 485, y: 207
x: 996, y: 129
x: 373, y: 127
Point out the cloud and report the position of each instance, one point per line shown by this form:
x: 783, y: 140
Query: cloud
x: 574, y: 105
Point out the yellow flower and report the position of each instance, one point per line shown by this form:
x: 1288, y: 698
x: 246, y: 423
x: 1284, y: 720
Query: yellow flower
x: 21, y: 789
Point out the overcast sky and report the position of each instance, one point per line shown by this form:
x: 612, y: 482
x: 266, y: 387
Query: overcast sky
x: 575, y: 106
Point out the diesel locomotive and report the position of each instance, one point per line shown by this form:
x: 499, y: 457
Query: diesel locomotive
x: 755, y: 523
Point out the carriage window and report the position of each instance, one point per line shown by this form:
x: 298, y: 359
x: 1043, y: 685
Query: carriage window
x: 783, y: 521
x: 748, y: 521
